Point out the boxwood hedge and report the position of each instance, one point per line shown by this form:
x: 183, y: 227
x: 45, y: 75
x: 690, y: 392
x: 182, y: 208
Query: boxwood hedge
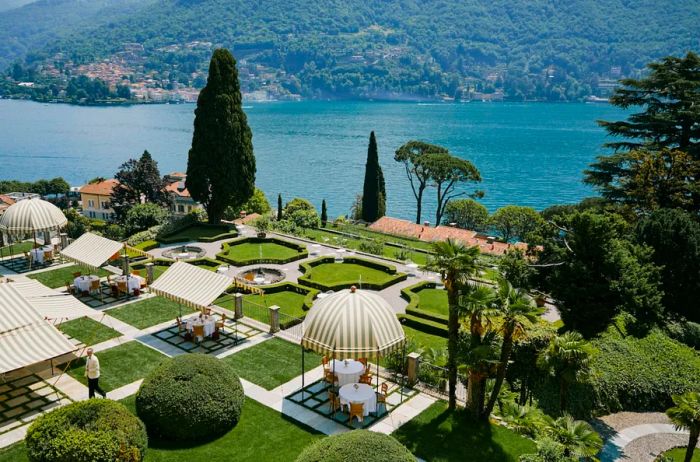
x: 87, y: 431
x: 306, y: 268
x: 190, y: 397
x: 356, y: 446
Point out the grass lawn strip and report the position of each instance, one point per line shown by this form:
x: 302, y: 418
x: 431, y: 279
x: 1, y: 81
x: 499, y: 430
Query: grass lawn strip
x: 120, y: 365
x: 439, y: 435
x: 88, y: 331
x: 272, y: 362
x: 336, y: 273
x: 678, y: 455
x: 425, y: 340
x: 17, y: 249
x: 256, y: 306
x: 251, y: 251
x: 149, y: 312
x: 58, y: 277
x: 433, y: 301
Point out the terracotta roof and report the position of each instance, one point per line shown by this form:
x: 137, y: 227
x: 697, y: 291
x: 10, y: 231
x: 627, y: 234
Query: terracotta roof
x: 177, y: 175
x: 7, y: 200
x: 174, y: 188
x: 406, y: 228
x: 247, y: 219
x: 103, y: 188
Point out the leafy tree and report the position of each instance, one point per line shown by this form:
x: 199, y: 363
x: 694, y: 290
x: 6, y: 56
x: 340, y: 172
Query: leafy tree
x: 455, y: 262
x: 578, y: 438
x: 143, y: 216
x: 518, y: 313
x: 446, y: 172
x: 685, y: 415
x: 279, y: 207
x: 221, y: 163
x: 513, y: 221
x: 516, y: 269
x: 324, y: 213
x: 374, y: 189
x: 139, y: 181
x: 257, y: 203
x: 77, y: 224
x: 467, y: 214
x: 675, y: 237
x: 412, y: 156
x: 304, y: 218
x: 297, y: 204
x: 568, y: 359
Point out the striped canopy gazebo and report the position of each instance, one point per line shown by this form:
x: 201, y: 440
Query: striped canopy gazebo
x: 352, y: 324
x: 31, y: 216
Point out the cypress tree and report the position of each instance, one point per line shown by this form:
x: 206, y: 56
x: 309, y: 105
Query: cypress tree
x: 279, y: 207
x: 221, y: 163
x: 324, y: 213
x: 374, y: 190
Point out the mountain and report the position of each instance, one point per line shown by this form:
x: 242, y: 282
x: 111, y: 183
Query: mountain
x: 489, y: 49
x: 7, y: 5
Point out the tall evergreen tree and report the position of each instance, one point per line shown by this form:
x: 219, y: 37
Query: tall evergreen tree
x: 374, y: 190
x: 139, y: 181
x: 221, y: 163
x: 279, y: 207
x: 324, y: 213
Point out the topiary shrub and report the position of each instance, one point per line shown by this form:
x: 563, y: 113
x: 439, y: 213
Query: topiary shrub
x: 190, y: 397
x: 356, y: 446
x: 87, y: 431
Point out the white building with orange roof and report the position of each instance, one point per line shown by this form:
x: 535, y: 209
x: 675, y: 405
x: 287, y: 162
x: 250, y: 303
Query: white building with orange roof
x: 96, y: 199
x: 182, y: 202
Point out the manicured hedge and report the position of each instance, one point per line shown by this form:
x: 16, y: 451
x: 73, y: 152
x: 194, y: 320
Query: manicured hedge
x: 167, y: 262
x: 411, y: 295
x: 96, y: 430
x: 306, y: 267
x: 357, y: 446
x: 173, y: 237
x: 189, y: 398
x: 423, y: 325
x: 301, y: 251
x: 147, y: 245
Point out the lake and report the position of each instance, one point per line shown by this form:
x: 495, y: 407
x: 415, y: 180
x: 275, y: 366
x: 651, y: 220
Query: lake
x: 528, y: 153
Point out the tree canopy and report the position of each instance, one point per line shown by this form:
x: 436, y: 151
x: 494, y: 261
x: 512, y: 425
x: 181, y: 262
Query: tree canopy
x: 139, y: 181
x: 411, y: 155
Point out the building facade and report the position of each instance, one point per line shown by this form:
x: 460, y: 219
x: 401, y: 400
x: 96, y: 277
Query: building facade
x: 96, y: 199
x: 182, y: 202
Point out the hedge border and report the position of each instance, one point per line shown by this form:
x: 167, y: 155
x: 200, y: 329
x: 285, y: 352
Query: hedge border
x: 411, y: 294
x: 147, y: 245
x: 423, y: 325
x: 168, y: 239
x: 168, y: 262
x: 301, y: 251
x: 308, y: 266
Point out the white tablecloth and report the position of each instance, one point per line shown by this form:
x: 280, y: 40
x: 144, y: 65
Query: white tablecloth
x: 364, y: 394
x: 38, y: 254
x: 133, y: 283
x: 209, y: 325
x: 347, y: 374
x: 82, y: 283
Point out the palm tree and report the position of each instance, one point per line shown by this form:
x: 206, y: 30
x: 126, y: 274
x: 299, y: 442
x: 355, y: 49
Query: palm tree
x: 480, y: 362
x: 685, y: 415
x: 577, y: 436
x: 455, y: 262
x: 517, y: 310
x: 567, y: 357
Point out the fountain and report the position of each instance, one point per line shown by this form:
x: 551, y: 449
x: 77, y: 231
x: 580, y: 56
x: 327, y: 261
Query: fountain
x: 262, y: 276
x: 184, y: 252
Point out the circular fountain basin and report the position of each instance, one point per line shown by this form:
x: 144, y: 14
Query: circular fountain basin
x: 184, y: 252
x: 262, y: 276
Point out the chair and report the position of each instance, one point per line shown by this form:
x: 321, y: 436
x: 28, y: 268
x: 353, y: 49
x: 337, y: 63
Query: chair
x: 334, y: 402
x: 48, y: 255
x: 77, y: 274
x: 198, y: 332
x: 366, y: 378
x: 135, y: 273
x: 180, y: 327
x: 381, y: 396
x: 326, y: 364
x: 122, y: 287
x: 94, y: 285
x: 357, y: 410
x: 330, y: 378
x: 363, y: 361
x: 69, y: 288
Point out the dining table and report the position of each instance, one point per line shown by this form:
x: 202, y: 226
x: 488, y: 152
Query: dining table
x: 359, y: 393
x: 38, y: 253
x: 347, y: 371
x: 82, y: 283
x: 133, y: 282
x: 208, y: 322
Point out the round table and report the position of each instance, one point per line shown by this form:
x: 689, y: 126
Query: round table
x: 208, y: 323
x: 222, y: 269
x: 133, y: 282
x: 38, y: 253
x: 363, y: 394
x: 347, y: 373
x: 82, y: 283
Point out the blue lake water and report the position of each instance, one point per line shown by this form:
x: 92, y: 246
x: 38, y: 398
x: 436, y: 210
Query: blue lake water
x: 528, y: 153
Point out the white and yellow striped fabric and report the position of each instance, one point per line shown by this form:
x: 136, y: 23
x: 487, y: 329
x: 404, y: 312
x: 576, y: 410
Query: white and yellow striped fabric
x: 92, y: 250
x: 190, y: 285
x: 31, y: 215
x: 351, y: 325
x: 49, y: 303
x: 25, y: 337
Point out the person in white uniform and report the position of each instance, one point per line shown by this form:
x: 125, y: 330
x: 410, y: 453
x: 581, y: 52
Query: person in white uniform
x: 92, y: 372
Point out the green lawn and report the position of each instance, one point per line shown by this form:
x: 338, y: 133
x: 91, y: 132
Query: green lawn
x: 262, y: 434
x: 425, y: 340
x: 194, y: 233
x: 88, y: 331
x: 58, y: 277
x: 255, y: 306
x: 16, y: 249
x: 339, y: 273
x: 433, y: 301
x: 678, y: 455
x: 251, y: 251
x: 438, y: 435
x: 149, y: 312
x: 272, y: 362
x: 120, y: 365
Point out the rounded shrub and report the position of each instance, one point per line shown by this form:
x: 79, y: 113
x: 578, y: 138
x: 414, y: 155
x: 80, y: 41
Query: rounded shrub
x: 356, y: 446
x: 190, y: 397
x: 87, y: 431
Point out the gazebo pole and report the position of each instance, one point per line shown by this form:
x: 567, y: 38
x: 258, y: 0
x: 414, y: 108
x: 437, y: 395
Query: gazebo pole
x: 302, y: 372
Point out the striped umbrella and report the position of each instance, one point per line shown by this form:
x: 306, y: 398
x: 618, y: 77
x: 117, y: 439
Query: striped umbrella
x: 352, y: 324
x: 31, y: 215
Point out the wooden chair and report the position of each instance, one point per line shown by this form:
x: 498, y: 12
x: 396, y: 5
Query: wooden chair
x: 180, y: 326
x: 48, y: 255
x: 330, y: 378
x: 326, y: 364
x: 69, y: 288
x: 94, y: 286
x: 77, y: 274
x: 136, y: 273
x: 357, y: 410
x: 381, y: 396
x: 334, y: 402
x: 122, y: 287
x: 198, y: 332
x: 366, y: 378
x: 363, y: 361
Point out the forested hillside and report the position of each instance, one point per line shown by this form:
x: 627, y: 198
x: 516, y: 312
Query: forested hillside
x: 547, y: 49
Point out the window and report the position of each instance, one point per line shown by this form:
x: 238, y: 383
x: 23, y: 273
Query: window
x: 189, y: 208
x: 91, y: 214
x: 105, y: 205
x: 181, y: 208
x: 91, y: 203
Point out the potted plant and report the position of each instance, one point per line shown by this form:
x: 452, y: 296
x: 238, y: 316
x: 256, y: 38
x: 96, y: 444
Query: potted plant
x: 262, y: 226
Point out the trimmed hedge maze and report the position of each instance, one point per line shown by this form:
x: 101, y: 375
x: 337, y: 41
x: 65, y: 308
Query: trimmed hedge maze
x: 325, y: 274
x: 246, y: 251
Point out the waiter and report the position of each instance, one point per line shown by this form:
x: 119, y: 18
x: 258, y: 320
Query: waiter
x: 92, y: 372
